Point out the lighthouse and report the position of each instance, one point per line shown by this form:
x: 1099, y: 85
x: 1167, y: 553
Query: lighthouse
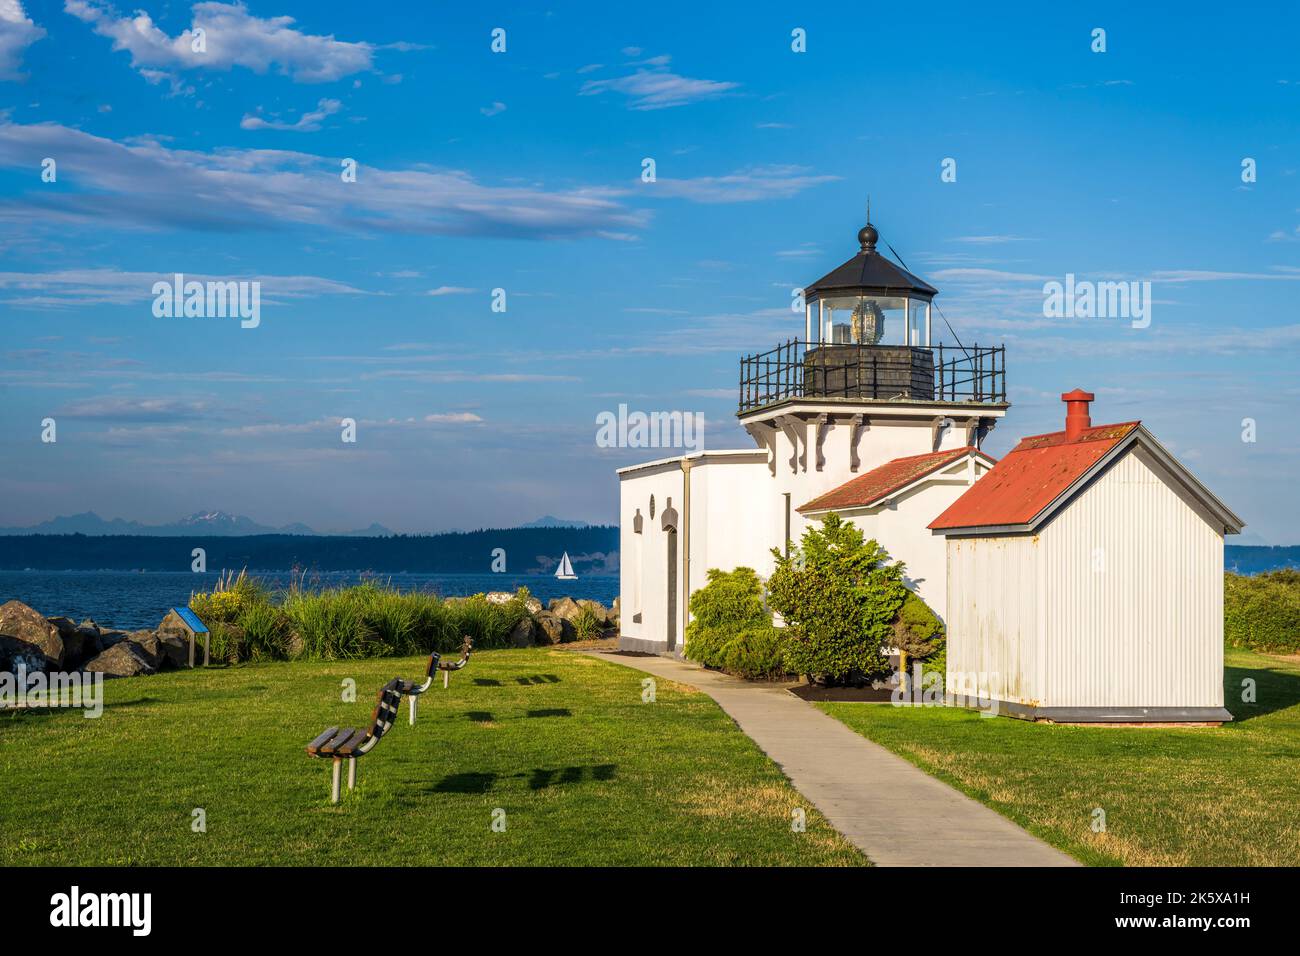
x: 866, y: 410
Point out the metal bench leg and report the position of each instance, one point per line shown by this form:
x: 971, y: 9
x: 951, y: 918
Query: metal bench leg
x: 334, y: 790
x: 352, y: 772
x: 412, y: 710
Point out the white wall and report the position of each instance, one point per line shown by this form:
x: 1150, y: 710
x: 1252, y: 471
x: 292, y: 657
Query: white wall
x: 995, y: 616
x: 882, y: 442
x: 664, y: 482
x: 1135, y: 578
x: 731, y: 524
x: 1117, y: 602
x: 901, y: 527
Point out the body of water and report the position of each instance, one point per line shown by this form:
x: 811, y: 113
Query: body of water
x: 131, y: 600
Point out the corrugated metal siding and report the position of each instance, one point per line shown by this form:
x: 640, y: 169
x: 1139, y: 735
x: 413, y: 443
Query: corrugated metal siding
x: 994, y: 615
x: 1134, y: 597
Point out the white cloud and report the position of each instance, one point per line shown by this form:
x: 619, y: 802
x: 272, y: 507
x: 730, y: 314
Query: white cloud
x: 144, y: 183
x: 454, y: 418
x: 449, y: 290
x: 494, y: 109
x: 233, y: 37
x: 743, y: 185
x: 658, y: 88
x: 73, y: 287
x: 308, y: 122
x: 17, y: 33
x: 990, y: 240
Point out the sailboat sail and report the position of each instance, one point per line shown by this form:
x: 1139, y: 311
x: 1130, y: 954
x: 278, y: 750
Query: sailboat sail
x: 565, y: 571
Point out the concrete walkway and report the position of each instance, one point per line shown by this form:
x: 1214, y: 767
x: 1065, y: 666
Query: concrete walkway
x: 896, y: 814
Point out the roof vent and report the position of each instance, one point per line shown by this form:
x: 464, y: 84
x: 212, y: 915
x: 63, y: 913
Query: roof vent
x: 1076, y: 413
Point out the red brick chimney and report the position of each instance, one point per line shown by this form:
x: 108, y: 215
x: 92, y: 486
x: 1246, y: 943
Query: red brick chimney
x: 1076, y: 413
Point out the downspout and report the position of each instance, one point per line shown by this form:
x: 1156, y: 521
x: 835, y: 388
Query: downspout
x: 686, y: 551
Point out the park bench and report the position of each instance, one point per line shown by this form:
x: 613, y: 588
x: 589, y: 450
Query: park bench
x: 349, y: 743
x: 414, y: 690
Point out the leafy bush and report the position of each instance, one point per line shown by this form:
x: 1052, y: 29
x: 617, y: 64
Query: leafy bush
x: 731, y: 629
x: 756, y: 653
x: 919, y: 634
x: 839, y: 598
x: 731, y: 599
x: 1262, y: 612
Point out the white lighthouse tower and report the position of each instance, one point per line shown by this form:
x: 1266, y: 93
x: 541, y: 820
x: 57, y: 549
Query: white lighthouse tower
x: 867, y: 415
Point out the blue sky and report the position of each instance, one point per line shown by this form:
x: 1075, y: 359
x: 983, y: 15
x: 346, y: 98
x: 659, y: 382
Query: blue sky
x: 522, y: 171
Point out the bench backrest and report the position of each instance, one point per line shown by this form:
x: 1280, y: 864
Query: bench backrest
x: 435, y: 659
x: 390, y: 698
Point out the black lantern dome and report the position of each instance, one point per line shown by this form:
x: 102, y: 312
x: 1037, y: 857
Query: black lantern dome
x: 869, y: 300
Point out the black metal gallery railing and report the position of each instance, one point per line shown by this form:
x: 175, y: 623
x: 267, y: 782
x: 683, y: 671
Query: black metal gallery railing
x: 942, y: 373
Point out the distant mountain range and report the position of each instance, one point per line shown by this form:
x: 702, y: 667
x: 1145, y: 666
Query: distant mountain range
x: 206, y: 523
x: 550, y: 521
x: 218, y: 524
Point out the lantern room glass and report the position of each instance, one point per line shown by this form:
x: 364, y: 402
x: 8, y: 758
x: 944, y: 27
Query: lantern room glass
x: 869, y: 319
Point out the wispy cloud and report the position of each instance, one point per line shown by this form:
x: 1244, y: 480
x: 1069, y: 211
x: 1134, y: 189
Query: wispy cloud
x: 128, y: 409
x: 990, y: 240
x: 308, y: 122
x: 144, y: 183
x: 653, y: 86
x: 743, y: 185
x: 450, y: 290
x: 231, y: 37
x: 494, y: 109
x: 17, y: 33
x: 77, y: 287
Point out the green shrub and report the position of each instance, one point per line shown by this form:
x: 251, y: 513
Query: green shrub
x: 839, y: 598
x: 919, y: 634
x: 731, y: 629
x: 1262, y: 612
x: 730, y: 599
x: 756, y: 653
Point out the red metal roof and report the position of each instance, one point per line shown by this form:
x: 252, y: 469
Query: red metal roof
x: 1031, y: 476
x: 878, y: 483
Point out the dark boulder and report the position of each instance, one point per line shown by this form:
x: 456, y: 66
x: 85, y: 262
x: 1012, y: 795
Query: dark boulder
x: 27, y: 635
x: 523, y: 633
x: 123, y: 659
x: 550, y: 629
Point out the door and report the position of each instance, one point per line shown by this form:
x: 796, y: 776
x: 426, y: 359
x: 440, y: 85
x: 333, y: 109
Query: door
x: 672, y: 589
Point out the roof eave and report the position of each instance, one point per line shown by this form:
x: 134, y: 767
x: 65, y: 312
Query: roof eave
x: 1231, y: 523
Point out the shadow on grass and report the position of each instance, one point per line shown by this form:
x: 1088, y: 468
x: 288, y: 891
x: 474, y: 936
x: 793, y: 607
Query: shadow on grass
x: 1274, y: 690
x: 479, y: 716
x: 465, y: 783
x: 550, y: 712
x: 544, y: 777
x: 538, y: 679
x: 486, y: 682
x: 541, y: 778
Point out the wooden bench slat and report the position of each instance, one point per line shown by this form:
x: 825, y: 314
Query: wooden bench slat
x: 346, y: 747
x: 320, y: 741
x: 331, y: 747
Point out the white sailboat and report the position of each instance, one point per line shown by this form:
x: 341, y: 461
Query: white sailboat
x: 565, y: 571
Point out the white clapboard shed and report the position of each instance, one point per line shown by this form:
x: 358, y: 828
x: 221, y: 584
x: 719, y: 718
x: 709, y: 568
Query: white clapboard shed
x: 1085, y: 580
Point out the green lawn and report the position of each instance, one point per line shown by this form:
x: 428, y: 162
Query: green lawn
x: 1196, y: 797
x: 586, y: 773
